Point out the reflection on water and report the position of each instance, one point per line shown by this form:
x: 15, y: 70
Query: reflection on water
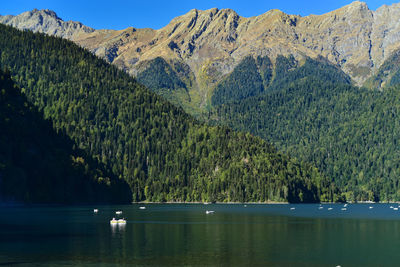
x: 117, y: 229
x: 259, y: 235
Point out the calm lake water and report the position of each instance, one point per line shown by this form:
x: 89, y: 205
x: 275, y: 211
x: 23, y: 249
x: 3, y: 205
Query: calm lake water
x: 178, y: 234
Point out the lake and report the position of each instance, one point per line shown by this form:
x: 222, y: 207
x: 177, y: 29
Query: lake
x: 183, y: 234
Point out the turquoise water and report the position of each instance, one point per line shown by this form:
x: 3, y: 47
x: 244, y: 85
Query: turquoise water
x: 179, y: 234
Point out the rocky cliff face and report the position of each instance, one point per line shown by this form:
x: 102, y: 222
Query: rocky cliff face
x: 213, y: 42
x: 46, y: 21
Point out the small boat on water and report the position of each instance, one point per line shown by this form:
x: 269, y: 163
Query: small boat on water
x: 118, y: 212
x: 292, y: 208
x: 330, y: 208
x: 121, y: 221
x: 95, y: 210
x: 344, y: 209
x: 395, y: 208
x: 142, y: 208
x: 115, y: 221
x: 370, y: 207
x: 209, y: 211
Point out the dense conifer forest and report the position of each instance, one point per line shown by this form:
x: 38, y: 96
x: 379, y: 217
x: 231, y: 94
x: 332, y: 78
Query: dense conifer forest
x: 313, y: 113
x: 38, y: 165
x: 159, y: 150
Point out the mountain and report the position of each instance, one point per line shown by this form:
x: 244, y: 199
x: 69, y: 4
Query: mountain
x: 290, y: 80
x: 158, y: 149
x: 313, y: 112
x: 40, y: 165
x: 46, y: 21
x: 387, y: 75
x: 208, y: 45
x: 253, y: 77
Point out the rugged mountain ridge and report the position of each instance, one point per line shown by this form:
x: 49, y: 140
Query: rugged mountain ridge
x: 211, y: 43
x: 46, y: 21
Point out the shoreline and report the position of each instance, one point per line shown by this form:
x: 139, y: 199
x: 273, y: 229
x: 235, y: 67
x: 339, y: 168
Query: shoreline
x: 209, y: 203
x: 265, y: 203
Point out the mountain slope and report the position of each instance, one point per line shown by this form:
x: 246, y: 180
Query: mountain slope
x: 212, y: 42
x: 252, y: 77
x: 160, y: 151
x: 38, y: 165
x: 387, y: 75
x: 46, y: 21
x: 349, y: 133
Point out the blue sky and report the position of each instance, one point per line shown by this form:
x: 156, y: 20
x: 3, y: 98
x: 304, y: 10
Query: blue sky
x: 120, y: 14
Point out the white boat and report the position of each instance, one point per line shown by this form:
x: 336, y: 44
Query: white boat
x: 115, y: 221
x: 344, y: 208
x: 330, y: 208
x: 292, y: 208
x: 95, y: 210
x: 391, y: 207
x: 345, y: 205
x: 320, y: 208
x: 121, y: 221
x: 395, y: 208
x: 370, y: 207
x: 142, y: 208
x: 209, y: 211
x: 118, y: 212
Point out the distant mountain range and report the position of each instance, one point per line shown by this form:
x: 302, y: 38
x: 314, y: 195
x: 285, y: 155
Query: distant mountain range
x: 203, y: 46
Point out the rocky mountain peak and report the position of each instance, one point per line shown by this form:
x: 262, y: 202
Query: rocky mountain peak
x: 46, y: 21
x: 357, y: 5
x: 50, y: 13
x: 353, y: 10
x: 46, y: 12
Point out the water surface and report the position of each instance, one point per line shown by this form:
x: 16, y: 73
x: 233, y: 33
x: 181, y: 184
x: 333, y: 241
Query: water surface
x: 183, y: 234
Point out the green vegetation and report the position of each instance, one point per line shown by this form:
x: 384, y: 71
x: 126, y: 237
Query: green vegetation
x: 387, y: 75
x: 283, y: 66
x: 161, y: 152
x: 314, y: 114
x: 40, y: 166
x: 160, y: 75
x: 243, y: 82
x: 174, y: 81
x: 252, y: 77
x: 266, y: 70
x: 287, y: 71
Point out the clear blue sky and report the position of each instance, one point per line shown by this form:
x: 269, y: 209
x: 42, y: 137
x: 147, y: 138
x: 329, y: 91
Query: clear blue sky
x: 120, y: 14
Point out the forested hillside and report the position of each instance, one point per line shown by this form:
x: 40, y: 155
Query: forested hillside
x: 38, y: 165
x: 349, y: 133
x: 252, y: 76
x: 244, y: 81
x: 162, y: 153
x: 387, y: 75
